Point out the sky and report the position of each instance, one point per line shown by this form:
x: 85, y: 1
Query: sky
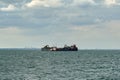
x: 90, y: 24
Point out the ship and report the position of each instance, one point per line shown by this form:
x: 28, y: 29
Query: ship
x: 65, y: 48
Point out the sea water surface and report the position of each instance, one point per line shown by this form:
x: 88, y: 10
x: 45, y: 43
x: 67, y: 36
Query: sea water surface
x: 45, y: 65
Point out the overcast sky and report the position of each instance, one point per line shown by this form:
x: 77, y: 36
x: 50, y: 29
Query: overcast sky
x: 90, y: 24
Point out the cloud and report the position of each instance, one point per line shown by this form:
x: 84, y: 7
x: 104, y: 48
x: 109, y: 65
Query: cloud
x: 9, y: 8
x: 83, y: 2
x: 85, y: 22
x: 99, y: 3
x: 109, y: 29
x: 62, y: 16
x: 110, y: 2
x: 10, y: 30
x: 44, y: 3
x: 103, y: 35
x: 12, y: 37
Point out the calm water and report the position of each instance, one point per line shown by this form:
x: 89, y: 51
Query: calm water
x: 40, y: 65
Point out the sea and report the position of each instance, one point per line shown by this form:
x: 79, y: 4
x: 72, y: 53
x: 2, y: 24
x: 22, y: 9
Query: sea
x: 34, y: 64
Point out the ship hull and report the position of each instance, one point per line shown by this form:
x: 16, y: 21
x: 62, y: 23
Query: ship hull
x: 59, y: 49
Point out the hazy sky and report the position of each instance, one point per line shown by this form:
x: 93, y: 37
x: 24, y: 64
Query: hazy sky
x: 35, y: 23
